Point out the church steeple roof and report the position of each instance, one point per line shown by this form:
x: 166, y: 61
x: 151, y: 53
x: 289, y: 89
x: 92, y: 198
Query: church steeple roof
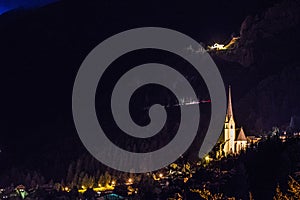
x: 241, y: 136
x: 229, y: 107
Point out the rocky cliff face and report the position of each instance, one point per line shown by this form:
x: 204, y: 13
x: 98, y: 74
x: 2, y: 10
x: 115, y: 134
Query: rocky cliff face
x: 273, y: 101
x: 269, y: 36
x: 268, y: 53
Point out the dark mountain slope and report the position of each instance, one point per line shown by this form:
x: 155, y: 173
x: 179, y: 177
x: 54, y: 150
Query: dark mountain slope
x: 268, y: 51
x: 42, y: 49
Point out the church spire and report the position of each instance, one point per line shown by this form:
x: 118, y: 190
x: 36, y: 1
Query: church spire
x: 229, y: 108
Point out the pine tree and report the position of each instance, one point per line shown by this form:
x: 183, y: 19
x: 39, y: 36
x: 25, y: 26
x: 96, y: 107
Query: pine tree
x: 75, y: 181
x: 80, y: 179
x: 85, y: 181
x: 279, y: 195
x: 107, y: 178
x: 101, y: 181
x: 70, y: 173
x: 294, y: 188
x: 206, y: 194
x: 57, y: 186
x: 91, y: 182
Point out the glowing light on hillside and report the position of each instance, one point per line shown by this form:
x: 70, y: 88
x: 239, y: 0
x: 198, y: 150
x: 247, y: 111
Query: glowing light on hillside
x: 219, y: 47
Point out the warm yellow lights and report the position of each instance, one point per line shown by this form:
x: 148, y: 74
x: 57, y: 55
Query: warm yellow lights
x: 160, y: 175
x: 129, y: 181
x: 185, y: 179
x: 207, y: 158
x: 101, y: 188
x: 219, y: 47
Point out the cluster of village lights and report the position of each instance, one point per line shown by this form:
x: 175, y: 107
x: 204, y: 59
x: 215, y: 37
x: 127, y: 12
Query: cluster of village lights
x: 129, y: 181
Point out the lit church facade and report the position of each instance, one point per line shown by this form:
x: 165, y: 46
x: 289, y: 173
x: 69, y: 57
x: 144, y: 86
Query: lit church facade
x: 233, y: 143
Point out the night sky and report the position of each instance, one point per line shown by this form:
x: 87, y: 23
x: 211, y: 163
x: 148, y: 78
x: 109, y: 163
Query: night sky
x: 7, y: 5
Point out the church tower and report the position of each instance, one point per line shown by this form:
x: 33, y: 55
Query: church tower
x: 229, y: 128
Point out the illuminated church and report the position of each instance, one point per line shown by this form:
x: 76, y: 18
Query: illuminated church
x: 234, y: 140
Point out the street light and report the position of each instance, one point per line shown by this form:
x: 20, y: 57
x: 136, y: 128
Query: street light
x: 130, y: 180
x: 207, y: 158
